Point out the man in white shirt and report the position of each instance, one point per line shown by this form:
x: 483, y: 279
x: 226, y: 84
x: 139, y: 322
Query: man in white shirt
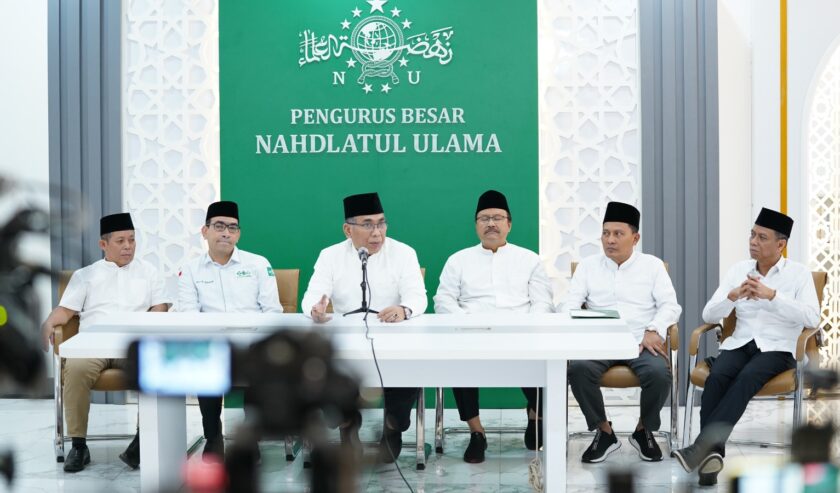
x: 396, y: 292
x: 774, y: 299
x: 225, y: 279
x: 117, y: 283
x: 638, y: 287
x: 492, y: 276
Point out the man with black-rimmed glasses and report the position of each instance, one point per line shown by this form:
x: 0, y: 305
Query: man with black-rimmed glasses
x: 493, y: 276
x: 225, y: 279
x: 397, y: 293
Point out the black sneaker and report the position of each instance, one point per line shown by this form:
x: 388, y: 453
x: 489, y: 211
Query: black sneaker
x: 77, y: 459
x: 214, y: 447
x: 532, y: 442
x: 475, y: 450
x: 131, y: 455
x: 642, y: 440
x: 602, y: 445
x: 390, y: 446
x: 709, y: 469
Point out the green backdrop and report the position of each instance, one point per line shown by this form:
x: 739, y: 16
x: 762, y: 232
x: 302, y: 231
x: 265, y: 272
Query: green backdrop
x: 291, y: 97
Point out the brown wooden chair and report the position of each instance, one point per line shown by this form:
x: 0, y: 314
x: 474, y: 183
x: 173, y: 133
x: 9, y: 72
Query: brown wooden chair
x: 287, y: 287
x: 622, y: 377
x: 790, y: 381
x: 111, y: 379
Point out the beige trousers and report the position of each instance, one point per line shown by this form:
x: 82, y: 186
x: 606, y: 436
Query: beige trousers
x: 80, y: 376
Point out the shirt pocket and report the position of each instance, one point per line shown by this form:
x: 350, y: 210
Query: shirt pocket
x: 247, y: 291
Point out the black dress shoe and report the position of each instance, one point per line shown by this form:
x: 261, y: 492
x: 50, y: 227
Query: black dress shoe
x: 131, y: 455
x: 532, y: 442
x: 475, y: 450
x: 214, y: 447
x: 390, y: 446
x: 77, y: 459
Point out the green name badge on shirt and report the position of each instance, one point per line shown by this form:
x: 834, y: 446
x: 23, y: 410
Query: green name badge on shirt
x: 594, y: 314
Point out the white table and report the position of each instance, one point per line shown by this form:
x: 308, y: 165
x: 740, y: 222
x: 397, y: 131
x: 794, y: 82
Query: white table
x: 492, y: 350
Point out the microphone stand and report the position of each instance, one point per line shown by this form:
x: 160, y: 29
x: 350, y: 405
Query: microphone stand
x: 364, y: 308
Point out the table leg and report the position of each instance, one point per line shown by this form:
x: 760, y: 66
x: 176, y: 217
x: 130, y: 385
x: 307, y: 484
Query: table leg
x: 554, y: 420
x: 163, y: 438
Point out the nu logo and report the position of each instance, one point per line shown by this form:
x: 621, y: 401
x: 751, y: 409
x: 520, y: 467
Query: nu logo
x: 377, y: 44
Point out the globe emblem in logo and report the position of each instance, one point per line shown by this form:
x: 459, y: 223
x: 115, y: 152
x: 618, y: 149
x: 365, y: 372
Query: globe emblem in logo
x: 377, y: 43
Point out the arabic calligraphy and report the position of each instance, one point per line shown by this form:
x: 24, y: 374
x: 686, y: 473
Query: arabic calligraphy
x: 433, y: 44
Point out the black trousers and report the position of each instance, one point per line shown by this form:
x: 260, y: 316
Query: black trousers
x: 653, y: 373
x: 398, y: 404
x: 211, y: 412
x: 735, y: 377
x: 466, y: 398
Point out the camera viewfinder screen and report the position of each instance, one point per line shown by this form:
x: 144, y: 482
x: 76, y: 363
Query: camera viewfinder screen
x: 168, y: 367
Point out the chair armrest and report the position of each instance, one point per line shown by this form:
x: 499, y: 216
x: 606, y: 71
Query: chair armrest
x: 64, y: 332
x: 695, y: 337
x: 802, y: 342
x: 674, y: 335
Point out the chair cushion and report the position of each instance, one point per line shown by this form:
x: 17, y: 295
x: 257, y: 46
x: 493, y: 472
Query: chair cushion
x: 783, y: 383
x: 111, y: 379
x: 620, y: 377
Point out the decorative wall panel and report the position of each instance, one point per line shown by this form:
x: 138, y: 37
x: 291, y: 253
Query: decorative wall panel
x: 822, y: 148
x: 589, y: 124
x: 589, y: 130
x: 170, y: 125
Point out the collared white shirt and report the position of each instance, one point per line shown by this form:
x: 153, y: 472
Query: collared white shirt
x: 103, y: 287
x: 393, y: 276
x: 639, y: 289
x: 775, y: 325
x: 477, y: 280
x: 245, y: 284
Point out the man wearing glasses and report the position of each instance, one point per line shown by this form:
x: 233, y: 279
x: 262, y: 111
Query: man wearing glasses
x: 493, y: 276
x: 225, y: 279
x: 396, y: 292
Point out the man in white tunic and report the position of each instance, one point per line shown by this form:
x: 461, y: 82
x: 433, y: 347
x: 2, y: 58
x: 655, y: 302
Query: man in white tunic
x: 489, y: 277
x: 396, y: 292
x: 774, y: 299
x: 225, y: 279
x: 638, y: 287
x: 117, y: 283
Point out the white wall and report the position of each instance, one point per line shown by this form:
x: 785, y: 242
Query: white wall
x: 765, y: 105
x: 749, y: 83
x: 24, y: 150
x: 813, y: 32
x: 23, y: 89
x: 735, y: 82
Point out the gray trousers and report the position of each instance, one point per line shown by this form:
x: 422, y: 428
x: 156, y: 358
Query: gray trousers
x: 653, y: 373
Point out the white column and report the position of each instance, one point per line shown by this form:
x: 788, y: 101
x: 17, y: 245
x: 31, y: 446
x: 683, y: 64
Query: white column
x: 163, y: 438
x: 554, y: 421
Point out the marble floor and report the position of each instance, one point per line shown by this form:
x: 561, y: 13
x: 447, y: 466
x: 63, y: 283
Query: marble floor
x: 26, y: 428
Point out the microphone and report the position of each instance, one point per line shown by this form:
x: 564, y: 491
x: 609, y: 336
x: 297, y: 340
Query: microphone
x: 363, y: 254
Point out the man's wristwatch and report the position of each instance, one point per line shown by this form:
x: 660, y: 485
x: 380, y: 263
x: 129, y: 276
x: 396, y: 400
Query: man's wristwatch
x: 407, y: 311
